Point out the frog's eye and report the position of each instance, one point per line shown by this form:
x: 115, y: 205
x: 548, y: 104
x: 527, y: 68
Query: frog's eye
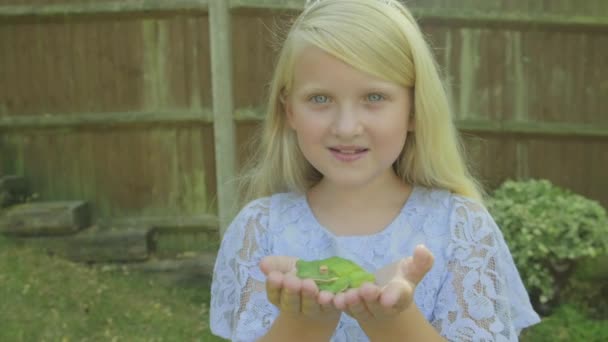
x: 323, y: 269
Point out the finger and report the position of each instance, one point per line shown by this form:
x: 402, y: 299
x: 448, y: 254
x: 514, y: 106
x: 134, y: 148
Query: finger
x: 417, y: 267
x: 370, y: 294
x: 291, y: 294
x: 340, y: 301
x: 396, y: 296
x: 309, y: 298
x: 356, y: 306
x: 274, y: 285
x: 281, y: 264
x: 325, y: 299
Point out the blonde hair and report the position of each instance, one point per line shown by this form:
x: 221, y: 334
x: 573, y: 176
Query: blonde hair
x: 382, y: 38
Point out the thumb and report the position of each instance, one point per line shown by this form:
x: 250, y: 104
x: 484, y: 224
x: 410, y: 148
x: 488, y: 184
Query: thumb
x: 416, y: 267
x: 283, y: 264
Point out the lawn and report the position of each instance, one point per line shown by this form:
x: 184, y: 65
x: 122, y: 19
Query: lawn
x: 44, y: 298
x: 568, y: 324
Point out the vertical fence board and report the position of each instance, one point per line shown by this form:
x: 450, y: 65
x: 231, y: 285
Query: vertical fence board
x: 223, y: 122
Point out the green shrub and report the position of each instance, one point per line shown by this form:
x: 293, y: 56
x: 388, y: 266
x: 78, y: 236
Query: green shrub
x: 590, y: 296
x: 548, y: 229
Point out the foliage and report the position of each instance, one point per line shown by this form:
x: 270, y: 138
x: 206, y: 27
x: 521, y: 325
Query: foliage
x: 548, y: 229
x: 50, y: 299
x: 567, y: 324
x: 591, y: 297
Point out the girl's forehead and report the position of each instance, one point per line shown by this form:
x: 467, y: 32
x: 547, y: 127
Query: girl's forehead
x: 315, y: 67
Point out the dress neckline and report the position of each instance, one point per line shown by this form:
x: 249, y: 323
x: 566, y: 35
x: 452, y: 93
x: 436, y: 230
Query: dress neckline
x: 409, y: 203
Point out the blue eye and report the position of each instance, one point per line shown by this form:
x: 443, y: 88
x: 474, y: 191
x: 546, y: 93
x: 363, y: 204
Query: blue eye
x: 375, y: 97
x: 319, y: 99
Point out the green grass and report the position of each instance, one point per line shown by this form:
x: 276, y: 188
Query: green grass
x: 567, y: 324
x: 43, y: 298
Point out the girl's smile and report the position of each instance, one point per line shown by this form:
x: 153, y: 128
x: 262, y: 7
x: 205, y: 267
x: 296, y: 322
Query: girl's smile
x: 348, y: 153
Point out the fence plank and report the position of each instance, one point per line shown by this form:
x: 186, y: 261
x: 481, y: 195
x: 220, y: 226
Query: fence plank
x: 534, y: 128
x: 293, y: 5
x: 223, y: 107
x: 46, y: 121
x: 468, y: 16
x: 465, y: 16
x: 101, y: 8
x: 252, y: 114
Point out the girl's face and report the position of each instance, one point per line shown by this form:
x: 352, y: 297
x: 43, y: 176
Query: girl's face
x: 350, y: 126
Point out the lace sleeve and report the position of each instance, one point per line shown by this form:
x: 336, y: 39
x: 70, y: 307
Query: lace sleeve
x: 239, y: 309
x: 482, y: 297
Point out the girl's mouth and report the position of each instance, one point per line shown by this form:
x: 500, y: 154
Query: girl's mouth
x: 348, y: 154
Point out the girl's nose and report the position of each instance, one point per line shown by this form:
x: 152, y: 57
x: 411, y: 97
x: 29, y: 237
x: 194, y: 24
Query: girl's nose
x: 347, y: 123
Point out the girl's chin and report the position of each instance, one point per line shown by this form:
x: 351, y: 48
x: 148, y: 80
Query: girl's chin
x: 346, y: 181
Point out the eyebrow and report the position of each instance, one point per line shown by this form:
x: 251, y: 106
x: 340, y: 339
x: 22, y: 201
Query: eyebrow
x: 306, y: 91
x: 312, y: 88
x: 372, y: 87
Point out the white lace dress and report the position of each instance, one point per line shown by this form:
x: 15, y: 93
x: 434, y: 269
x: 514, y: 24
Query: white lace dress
x: 472, y: 293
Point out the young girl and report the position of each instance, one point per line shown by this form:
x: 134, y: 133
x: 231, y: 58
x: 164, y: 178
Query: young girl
x: 360, y: 159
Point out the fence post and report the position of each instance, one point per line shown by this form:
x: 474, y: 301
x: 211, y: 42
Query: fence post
x: 223, y: 109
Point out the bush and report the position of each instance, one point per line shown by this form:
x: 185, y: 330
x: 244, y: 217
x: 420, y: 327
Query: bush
x: 548, y: 229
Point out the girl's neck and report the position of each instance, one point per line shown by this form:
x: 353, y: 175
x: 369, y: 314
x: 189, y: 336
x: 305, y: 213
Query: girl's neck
x: 388, y: 190
x: 358, y: 211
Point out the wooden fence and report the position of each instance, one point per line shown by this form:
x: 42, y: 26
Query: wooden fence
x: 143, y: 107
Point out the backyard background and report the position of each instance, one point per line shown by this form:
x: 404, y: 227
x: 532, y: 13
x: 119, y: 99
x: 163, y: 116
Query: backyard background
x: 143, y: 108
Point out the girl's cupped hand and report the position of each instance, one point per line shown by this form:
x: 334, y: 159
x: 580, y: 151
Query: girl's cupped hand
x: 295, y: 296
x: 393, y: 291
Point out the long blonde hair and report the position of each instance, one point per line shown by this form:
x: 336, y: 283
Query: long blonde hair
x: 382, y: 38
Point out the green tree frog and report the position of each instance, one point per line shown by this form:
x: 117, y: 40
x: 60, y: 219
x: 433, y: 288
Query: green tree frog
x: 333, y: 274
